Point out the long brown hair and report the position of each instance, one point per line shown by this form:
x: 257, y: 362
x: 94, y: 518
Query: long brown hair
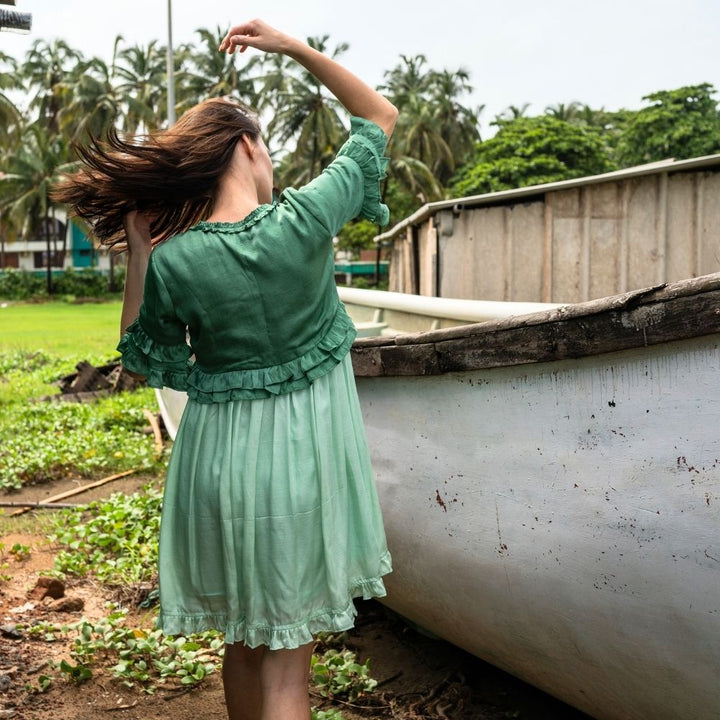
x: 170, y: 174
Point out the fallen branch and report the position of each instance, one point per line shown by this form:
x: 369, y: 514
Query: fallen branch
x: 76, y: 491
x: 155, y: 425
x: 38, y: 505
x: 116, y: 708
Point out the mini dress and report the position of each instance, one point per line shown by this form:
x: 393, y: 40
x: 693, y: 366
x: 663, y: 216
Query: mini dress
x: 270, y: 522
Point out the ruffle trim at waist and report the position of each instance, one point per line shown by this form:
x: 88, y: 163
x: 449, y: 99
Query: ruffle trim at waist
x: 296, y: 374
x: 278, y: 637
x: 170, y: 366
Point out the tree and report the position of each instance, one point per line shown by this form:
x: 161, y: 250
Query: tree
x: 30, y: 173
x: 311, y: 117
x: 142, y: 72
x: 682, y: 123
x: 435, y: 131
x: 92, y: 102
x: 532, y: 151
x: 10, y: 116
x: 206, y: 73
x: 512, y: 112
x: 459, y: 125
x: 561, y: 111
x: 46, y: 70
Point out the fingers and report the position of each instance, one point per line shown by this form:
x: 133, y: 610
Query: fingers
x: 246, y: 30
x: 254, y: 34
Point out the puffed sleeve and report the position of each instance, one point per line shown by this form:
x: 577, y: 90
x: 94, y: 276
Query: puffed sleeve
x: 154, y: 345
x: 350, y: 186
x: 366, y: 145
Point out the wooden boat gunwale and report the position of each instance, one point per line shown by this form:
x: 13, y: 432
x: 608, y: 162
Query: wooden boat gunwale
x: 639, y: 318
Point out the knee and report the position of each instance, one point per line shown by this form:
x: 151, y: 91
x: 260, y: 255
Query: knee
x: 240, y: 655
x: 285, y: 669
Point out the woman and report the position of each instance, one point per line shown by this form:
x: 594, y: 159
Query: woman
x: 270, y: 518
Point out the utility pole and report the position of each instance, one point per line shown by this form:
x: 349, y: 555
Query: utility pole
x: 14, y: 20
x: 170, y: 69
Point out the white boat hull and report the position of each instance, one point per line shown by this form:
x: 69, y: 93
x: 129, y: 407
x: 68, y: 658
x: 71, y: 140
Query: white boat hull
x: 561, y: 521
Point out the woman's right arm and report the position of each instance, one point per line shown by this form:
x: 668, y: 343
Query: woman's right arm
x: 356, y: 96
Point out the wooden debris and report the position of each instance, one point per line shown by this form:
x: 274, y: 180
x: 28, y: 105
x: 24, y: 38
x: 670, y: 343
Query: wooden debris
x: 90, y: 382
x: 157, y: 433
x: 38, y: 505
x: 77, y: 491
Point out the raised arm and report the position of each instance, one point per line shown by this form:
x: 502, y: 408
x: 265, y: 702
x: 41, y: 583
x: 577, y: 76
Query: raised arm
x: 357, y: 97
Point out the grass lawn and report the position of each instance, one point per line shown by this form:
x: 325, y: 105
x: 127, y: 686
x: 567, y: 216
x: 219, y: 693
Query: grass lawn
x: 44, y: 441
x: 89, y: 330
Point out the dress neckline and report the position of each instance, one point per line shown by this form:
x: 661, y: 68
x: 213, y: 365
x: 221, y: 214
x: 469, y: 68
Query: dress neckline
x: 250, y: 219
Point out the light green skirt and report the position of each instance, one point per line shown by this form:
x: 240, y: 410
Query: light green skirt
x: 270, y: 520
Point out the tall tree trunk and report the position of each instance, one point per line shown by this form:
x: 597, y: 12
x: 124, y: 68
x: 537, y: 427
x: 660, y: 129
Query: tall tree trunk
x: 48, y: 260
x: 111, y: 280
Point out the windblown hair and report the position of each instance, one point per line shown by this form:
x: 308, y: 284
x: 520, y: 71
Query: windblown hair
x: 170, y: 174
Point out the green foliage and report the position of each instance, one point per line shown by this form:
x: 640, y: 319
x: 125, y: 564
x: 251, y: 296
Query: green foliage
x: 60, y: 438
x: 76, y: 674
x: 43, y: 685
x: 118, y: 543
x: 532, y: 151
x: 135, y: 656
x: 337, y: 673
x: 20, y: 552
x: 43, y: 441
x: 326, y: 714
x: 681, y: 123
x: 4, y: 577
x: 86, y: 283
x: 357, y: 236
x: 20, y: 285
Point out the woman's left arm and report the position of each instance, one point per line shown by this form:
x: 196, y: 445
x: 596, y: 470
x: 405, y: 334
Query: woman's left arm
x: 139, y: 243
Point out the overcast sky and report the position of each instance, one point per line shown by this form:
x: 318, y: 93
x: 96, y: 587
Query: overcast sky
x: 606, y: 54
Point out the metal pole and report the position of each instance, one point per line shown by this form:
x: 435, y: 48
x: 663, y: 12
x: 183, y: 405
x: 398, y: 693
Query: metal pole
x: 170, y: 70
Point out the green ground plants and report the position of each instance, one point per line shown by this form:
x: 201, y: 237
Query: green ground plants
x: 43, y: 441
x: 115, y: 540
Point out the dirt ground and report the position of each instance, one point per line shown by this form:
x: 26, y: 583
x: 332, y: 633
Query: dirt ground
x: 419, y: 678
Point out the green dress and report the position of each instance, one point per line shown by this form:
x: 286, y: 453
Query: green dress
x: 270, y: 522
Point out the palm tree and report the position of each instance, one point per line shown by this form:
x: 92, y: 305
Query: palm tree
x: 10, y: 115
x: 459, y: 126
x: 512, y: 112
x: 569, y: 113
x: 407, y: 81
x: 46, y: 70
x: 92, y: 103
x: 272, y: 89
x: 205, y: 72
x: 417, y: 149
x: 310, y: 117
x: 142, y: 74
x: 31, y: 170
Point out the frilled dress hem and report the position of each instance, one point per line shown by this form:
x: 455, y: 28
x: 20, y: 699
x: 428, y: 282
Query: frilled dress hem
x: 279, y: 637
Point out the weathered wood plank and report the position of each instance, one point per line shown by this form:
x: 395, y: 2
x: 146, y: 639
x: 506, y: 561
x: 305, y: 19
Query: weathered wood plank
x: 631, y: 320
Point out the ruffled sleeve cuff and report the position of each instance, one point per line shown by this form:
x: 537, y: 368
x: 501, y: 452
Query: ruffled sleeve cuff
x: 366, y: 145
x: 162, y: 365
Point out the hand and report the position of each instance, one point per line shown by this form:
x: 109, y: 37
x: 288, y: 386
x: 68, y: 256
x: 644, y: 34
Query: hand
x: 255, y: 34
x: 137, y: 230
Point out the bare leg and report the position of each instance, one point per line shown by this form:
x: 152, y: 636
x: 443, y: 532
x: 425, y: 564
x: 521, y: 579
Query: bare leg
x: 284, y: 680
x: 241, y: 681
